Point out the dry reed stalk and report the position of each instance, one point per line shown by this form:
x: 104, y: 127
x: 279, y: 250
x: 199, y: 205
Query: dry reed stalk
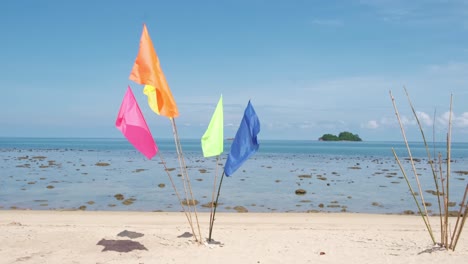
x: 460, y: 212
x: 213, y: 198
x: 189, y: 219
x: 449, y: 158
x: 435, y: 177
x: 413, y: 194
x: 413, y: 169
x: 461, y: 227
x: 434, y: 174
x: 443, y: 226
x: 444, y: 190
x: 465, y: 213
x: 186, y: 180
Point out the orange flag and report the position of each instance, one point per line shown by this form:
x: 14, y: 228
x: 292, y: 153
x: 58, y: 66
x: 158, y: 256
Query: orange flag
x: 147, y: 71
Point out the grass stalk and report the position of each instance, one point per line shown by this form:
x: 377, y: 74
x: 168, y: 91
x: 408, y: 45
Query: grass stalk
x: 460, y: 212
x: 440, y: 170
x: 186, y: 181
x: 442, y: 186
x: 414, y: 195
x: 189, y: 219
x: 465, y: 213
x: 425, y: 215
x: 449, y: 158
x: 445, y: 207
x: 434, y: 174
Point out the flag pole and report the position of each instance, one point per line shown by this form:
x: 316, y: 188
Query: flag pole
x: 147, y: 71
x: 215, y: 206
x: 177, y: 193
x: 185, y: 177
x: 244, y: 145
x: 213, y: 193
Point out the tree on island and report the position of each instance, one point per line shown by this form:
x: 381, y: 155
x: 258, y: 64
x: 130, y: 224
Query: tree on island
x: 343, y: 136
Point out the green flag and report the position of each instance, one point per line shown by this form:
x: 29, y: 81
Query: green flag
x: 213, y: 140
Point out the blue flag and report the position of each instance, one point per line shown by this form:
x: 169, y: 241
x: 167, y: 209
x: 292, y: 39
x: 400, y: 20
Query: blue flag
x: 245, y: 143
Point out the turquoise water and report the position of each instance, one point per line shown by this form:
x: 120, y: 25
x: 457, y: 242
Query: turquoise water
x: 61, y: 173
x: 459, y: 150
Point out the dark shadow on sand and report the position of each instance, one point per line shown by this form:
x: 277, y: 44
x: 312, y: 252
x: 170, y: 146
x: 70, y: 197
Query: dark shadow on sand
x: 121, y: 245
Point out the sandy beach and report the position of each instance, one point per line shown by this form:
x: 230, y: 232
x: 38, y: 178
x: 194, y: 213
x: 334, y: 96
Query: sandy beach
x: 81, y: 236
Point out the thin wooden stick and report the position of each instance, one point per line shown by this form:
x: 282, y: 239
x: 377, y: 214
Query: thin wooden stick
x: 435, y: 177
x: 434, y: 174
x: 191, y: 191
x: 177, y: 193
x: 213, y: 194
x: 449, y: 158
x: 188, y: 202
x: 413, y: 194
x: 185, y: 175
x: 215, y: 206
x: 442, y: 179
x: 461, y: 226
x: 433, y: 132
x: 458, y: 217
x: 413, y: 167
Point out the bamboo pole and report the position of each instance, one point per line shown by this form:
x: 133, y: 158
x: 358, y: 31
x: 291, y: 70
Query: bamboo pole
x: 413, y: 194
x: 442, y: 228
x: 213, y: 196
x: 461, y: 226
x: 215, y: 206
x: 458, y: 217
x: 413, y: 167
x: 188, y: 203
x: 177, y: 193
x: 185, y: 177
x: 434, y: 174
x: 449, y: 158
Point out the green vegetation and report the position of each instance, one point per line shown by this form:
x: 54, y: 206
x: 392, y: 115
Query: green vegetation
x: 343, y: 136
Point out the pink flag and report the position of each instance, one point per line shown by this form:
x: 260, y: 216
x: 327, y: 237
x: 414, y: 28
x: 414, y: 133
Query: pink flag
x: 133, y: 126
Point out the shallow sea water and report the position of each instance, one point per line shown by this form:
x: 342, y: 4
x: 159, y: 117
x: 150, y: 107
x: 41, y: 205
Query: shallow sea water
x: 64, y: 174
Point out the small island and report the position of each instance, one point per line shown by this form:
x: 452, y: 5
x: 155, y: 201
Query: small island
x: 343, y: 136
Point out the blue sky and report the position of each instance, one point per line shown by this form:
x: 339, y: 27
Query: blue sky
x: 308, y: 67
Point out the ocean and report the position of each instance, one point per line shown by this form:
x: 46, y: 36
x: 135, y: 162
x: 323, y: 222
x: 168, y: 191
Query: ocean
x: 109, y: 174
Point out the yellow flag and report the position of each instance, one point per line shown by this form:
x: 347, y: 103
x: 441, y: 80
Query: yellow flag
x: 213, y: 140
x: 150, y: 92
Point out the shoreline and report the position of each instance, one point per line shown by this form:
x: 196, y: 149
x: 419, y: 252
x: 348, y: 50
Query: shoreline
x: 111, y: 176
x: 233, y: 211
x: 43, y: 236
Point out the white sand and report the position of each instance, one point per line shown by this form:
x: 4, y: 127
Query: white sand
x: 72, y: 237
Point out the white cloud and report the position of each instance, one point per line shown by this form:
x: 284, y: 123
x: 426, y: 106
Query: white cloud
x: 457, y: 121
x: 444, y: 119
x: 357, y: 103
x: 305, y: 125
x: 424, y: 118
x: 278, y: 125
x: 372, y: 124
x: 388, y: 122
x: 462, y: 121
x: 407, y: 121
